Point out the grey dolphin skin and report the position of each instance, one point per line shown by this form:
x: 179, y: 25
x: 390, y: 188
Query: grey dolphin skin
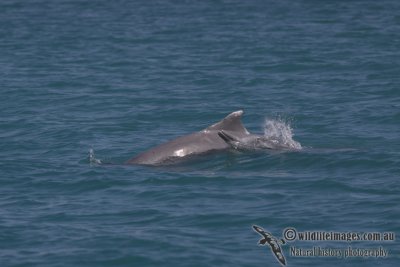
x: 196, y: 143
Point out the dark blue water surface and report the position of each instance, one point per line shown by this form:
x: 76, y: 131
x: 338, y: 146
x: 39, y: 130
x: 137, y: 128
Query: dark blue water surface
x: 122, y: 76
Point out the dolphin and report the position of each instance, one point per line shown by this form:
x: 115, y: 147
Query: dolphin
x: 249, y: 142
x: 222, y: 135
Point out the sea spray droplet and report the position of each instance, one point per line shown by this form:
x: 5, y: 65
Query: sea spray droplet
x: 281, y: 133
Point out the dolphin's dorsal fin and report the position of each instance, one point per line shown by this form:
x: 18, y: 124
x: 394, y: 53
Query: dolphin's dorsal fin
x: 232, y: 122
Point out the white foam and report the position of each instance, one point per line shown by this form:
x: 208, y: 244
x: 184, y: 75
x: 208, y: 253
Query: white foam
x: 92, y: 158
x: 281, y: 133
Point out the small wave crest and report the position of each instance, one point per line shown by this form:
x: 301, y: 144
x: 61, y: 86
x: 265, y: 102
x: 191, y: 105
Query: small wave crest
x: 280, y: 132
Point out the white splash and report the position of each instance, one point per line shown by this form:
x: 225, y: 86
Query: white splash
x: 92, y: 158
x: 280, y: 133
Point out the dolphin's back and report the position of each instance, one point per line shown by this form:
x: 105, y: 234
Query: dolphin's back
x: 196, y: 143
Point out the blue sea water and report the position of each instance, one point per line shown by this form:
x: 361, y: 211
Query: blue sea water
x: 119, y: 77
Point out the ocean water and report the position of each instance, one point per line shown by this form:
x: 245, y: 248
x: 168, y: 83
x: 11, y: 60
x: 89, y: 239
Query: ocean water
x: 119, y: 77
